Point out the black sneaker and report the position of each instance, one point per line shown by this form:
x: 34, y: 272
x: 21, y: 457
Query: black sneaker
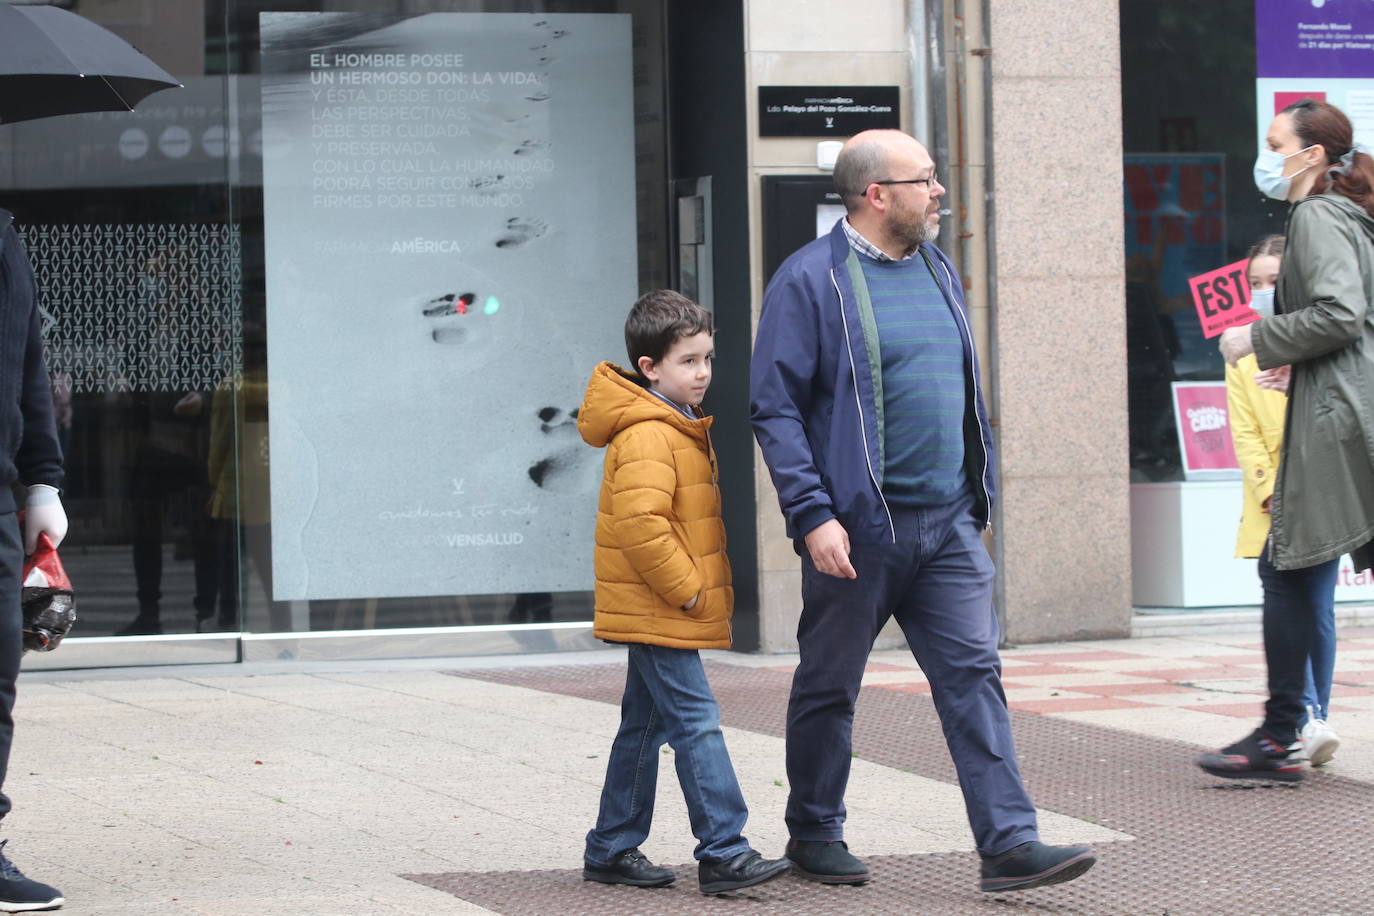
x: 21, y: 895
x: 1256, y: 756
x: 828, y: 862
x: 630, y: 867
x: 1034, y: 864
x: 744, y: 870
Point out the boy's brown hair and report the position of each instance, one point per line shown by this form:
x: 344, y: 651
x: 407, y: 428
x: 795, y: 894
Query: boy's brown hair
x: 658, y: 320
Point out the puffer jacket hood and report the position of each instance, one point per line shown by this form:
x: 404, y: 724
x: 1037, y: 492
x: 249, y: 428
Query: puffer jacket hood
x: 660, y: 540
x: 618, y: 399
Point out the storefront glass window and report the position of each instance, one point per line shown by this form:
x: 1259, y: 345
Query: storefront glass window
x: 1188, y: 100
x: 320, y: 321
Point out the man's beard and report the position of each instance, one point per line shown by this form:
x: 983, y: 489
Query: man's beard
x: 909, y: 233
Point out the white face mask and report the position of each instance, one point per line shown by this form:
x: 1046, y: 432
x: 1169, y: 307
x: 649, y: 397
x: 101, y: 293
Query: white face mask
x: 1262, y: 301
x: 1269, y: 177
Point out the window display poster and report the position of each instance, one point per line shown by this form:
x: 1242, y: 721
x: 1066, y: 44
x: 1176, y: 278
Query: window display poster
x: 449, y: 218
x: 1175, y: 215
x: 1204, y: 431
x: 1319, y: 49
x: 1175, y: 229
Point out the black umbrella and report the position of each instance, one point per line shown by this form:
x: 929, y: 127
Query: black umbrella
x: 53, y: 62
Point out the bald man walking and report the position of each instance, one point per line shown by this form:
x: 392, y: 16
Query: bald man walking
x: 865, y: 402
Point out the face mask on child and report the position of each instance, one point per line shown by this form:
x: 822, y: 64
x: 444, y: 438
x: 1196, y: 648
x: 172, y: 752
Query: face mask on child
x: 1262, y: 301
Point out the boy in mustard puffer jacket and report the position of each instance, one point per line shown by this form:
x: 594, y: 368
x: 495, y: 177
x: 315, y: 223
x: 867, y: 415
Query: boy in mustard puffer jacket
x: 663, y: 587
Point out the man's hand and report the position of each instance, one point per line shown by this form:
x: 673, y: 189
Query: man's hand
x: 691, y: 604
x: 829, y: 547
x: 1274, y: 379
x: 43, y: 512
x: 1235, y: 343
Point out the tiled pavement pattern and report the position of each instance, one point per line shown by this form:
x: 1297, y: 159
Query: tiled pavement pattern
x: 1106, y: 733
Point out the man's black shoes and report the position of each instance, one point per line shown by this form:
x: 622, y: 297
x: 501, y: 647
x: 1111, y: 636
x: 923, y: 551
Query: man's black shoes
x: 828, y: 862
x: 19, y: 894
x: 630, y: 867
x: 744, y: 870
x: 1034, y: 865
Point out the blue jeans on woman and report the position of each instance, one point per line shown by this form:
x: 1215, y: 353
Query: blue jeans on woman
x: 1298, y: 608
x: 668, y: 699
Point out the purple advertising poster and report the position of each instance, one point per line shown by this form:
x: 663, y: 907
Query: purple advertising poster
x: 1317, y: 49
x: 1314, y: 38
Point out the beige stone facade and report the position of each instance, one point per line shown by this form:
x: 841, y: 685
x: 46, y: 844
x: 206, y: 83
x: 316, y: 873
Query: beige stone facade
x: 1026, y: 95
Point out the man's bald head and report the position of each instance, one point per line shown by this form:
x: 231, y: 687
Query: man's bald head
x: 866, y: 158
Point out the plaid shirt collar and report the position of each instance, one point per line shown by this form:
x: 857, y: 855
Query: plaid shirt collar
x: 674, y: 404
x: 864, y: 246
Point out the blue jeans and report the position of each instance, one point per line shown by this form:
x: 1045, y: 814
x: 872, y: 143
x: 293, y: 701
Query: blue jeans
x: 1298, y: 607
x: 1321, y: 666
x: 667, y: 698
x: 936, y: 580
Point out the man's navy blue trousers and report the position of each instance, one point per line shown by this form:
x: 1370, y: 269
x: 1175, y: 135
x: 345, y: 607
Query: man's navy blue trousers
x: 937, y: 581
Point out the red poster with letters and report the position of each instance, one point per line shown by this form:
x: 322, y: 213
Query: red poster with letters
x: 1204, y: 431
x: 1222, y: 299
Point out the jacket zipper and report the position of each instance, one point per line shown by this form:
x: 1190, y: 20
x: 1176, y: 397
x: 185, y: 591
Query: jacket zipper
x: 973, y: 351
x: 863, y: 429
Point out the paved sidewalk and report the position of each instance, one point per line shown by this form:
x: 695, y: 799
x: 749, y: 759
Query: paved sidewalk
x: 314, y: 790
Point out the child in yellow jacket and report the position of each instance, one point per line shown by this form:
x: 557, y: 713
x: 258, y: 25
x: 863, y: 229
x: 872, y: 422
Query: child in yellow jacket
x: 1257, y: 418
x: 663, y: 587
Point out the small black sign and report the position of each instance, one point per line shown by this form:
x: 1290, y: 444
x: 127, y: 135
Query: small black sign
x: 827, y: 111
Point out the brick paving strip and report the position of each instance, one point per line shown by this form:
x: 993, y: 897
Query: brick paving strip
x: 1203, y: 845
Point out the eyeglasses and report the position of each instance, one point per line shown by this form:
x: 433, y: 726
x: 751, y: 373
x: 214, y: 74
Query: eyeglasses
x: 925, y: 181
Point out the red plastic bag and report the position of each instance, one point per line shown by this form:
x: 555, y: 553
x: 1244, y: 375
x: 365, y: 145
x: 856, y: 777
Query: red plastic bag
x: 47, y: 598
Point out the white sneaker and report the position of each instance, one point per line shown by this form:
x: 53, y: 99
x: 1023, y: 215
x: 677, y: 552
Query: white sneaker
x: 1320, y: 742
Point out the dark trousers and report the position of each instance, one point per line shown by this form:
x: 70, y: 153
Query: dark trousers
x: 937, y: 581
x: 1294, y: 602
x: 165, y: 482
x: 11, y: 637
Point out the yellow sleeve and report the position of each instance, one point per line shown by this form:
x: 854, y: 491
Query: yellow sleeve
x: 1256, y: 467
x: 221, y: 430
x: 642, y: 488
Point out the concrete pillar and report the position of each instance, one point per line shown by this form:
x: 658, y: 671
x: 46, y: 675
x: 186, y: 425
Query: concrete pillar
x: 1059, y: 316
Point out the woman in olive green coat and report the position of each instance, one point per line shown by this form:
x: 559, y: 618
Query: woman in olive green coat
x: 1323, y: 502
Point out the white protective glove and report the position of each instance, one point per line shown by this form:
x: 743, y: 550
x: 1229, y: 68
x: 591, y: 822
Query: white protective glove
x: 43, y: 512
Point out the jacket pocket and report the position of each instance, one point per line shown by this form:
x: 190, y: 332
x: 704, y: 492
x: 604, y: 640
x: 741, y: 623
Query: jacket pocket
x: 1337, y: 414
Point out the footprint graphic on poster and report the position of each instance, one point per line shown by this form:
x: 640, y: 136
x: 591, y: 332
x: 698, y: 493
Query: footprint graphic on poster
x: 461, y: 318
x: 553, y: 419
x: 566, y: 459
x: 531, y: 147
x: 487, y: 184
x: 520, y: 231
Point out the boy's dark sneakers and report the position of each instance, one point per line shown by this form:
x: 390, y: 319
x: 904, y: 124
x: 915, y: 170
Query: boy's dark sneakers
x: 1256, y: 756
x: 21, y: 895
x: 744, y: 870
x: 826, y: 861
x: 630, y: 867
x: 1034, y: 864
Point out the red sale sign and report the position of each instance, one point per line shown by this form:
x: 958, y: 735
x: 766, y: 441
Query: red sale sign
x: 1222, y: 298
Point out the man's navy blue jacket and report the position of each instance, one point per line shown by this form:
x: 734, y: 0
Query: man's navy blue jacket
x: 816, y: 392
x: 29, y: 450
